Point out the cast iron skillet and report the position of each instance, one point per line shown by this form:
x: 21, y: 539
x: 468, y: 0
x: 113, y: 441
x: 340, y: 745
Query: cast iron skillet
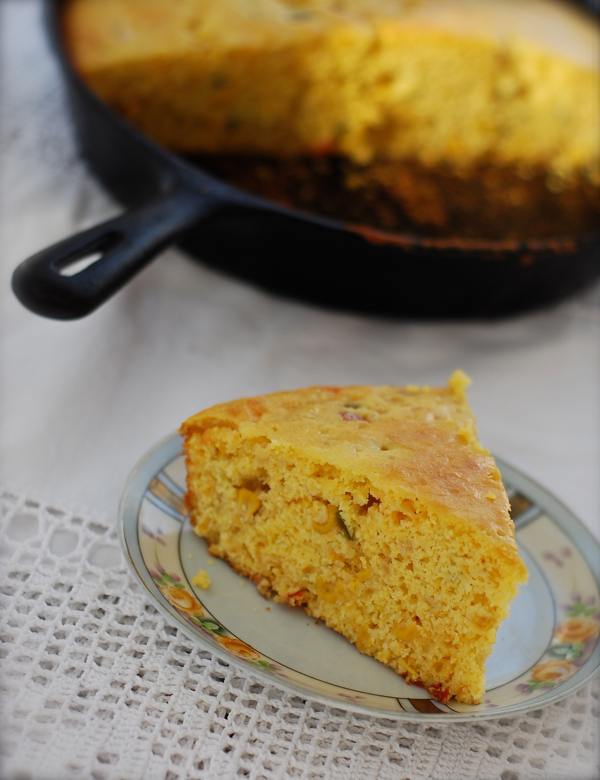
x: 281, y: 249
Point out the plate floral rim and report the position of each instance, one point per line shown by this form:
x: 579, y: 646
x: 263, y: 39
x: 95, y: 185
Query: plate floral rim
x: 536, y: 500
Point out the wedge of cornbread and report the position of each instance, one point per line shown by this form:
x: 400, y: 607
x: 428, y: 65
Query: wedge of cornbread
x: 373, y: 507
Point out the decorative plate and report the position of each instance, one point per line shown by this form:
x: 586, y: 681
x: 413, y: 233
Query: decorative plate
x: 546, y: 649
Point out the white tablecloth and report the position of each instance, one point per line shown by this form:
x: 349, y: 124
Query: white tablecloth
x: 94, y: 683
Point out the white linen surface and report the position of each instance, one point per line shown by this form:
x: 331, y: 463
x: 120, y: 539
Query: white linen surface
x: 82, y: 401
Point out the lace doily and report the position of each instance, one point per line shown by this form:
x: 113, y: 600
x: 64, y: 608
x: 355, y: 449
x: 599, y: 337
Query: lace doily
x: 95, y: 684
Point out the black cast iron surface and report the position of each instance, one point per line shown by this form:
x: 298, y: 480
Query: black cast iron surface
x: 283, y: 250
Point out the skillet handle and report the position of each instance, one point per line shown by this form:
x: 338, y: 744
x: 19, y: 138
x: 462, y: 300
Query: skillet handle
x: 124, y: 245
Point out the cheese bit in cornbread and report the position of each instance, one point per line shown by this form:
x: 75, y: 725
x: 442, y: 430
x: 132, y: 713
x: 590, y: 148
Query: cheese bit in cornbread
x: 371, y: 507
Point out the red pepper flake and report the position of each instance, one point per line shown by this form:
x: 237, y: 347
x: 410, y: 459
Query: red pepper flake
x: 297, y: 598
x: 351, y: 416
x: 324, y: 148
x: 418, y: 683
x: 439, y: 693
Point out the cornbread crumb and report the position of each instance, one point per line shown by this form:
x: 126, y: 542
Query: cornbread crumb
x: 371, y: 508
x: 201, y: 579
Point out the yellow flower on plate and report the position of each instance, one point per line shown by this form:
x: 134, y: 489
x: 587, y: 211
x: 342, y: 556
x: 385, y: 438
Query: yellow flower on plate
x: 238, y: 648
x: 181, y: 599
x: 553, y: 671
x: 576, y: 629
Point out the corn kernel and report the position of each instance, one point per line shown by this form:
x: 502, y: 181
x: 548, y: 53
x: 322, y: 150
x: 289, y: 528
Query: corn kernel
x: 329, y: 524
x: 363, y: 638
x: 248, y: 502
x: 328, y: 591
x: 406, y: 632
x: 483, y: 621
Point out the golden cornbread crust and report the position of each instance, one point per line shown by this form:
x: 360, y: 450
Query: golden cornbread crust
x: 374, y: 507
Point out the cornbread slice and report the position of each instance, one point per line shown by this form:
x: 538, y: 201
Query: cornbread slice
x: 375, y: 508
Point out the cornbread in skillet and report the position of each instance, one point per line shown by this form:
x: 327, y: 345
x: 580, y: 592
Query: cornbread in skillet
x: 375, y: 508
x: 451, y: 81
x: 418, y: 99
